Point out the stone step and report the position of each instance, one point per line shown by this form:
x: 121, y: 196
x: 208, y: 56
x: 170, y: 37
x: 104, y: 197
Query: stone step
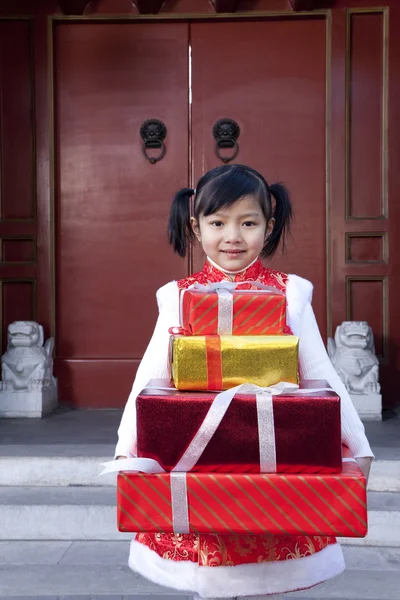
x: 88, y: 513
x: 48, y: 466
x: 97, y: 570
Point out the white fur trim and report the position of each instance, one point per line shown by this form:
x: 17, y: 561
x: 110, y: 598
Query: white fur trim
x: 168, y: 297
x: 298, y: 295
x: 169, y: 573
x: 275, y: 577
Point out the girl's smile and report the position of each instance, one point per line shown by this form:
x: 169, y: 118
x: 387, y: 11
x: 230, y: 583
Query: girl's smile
x: 234, y: 236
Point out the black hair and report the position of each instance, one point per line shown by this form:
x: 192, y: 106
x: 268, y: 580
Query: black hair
x: 221, y: 187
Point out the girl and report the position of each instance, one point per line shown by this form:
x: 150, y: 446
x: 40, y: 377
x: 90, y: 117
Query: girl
x: 236, y: 222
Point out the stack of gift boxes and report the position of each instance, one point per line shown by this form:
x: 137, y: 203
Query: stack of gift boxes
x: 263, y: 458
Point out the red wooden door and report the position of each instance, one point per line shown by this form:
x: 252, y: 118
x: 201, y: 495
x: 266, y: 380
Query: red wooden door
x: 111, y: 203
x: 270, y: 77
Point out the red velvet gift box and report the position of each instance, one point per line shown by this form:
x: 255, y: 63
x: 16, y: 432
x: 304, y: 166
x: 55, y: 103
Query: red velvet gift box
x: 224, y: 503
x: 307, y: 430
x: 253, y: 312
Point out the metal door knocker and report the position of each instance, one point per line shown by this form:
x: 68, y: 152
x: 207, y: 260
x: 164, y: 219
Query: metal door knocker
x: 153, y: 134
x: 226, y: 133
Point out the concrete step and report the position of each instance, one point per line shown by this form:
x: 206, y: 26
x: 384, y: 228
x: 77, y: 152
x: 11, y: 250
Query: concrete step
x: 65, y: 466
x: 89, y: 513
x: 88, y: 570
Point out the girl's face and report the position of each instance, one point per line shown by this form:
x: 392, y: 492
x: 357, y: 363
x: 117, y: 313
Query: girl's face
x: 234, y: 236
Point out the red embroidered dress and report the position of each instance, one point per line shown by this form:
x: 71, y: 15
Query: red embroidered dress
x: 214, y: 550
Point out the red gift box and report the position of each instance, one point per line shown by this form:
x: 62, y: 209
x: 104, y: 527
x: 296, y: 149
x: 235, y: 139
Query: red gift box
x: 248, y: 503
x: 253, y: 312
x: 307, y: 430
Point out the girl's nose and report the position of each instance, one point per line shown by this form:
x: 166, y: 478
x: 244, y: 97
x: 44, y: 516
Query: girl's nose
x: 233, y: 234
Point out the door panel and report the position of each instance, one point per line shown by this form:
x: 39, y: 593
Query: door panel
x: 270, y: 77
x: 18, y: 215
x: 111, y: 203
x: 365, y: 212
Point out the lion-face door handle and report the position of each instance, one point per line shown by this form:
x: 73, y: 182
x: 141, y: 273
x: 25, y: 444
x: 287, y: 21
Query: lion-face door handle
x: 153, y: 133
x: 226, y: 133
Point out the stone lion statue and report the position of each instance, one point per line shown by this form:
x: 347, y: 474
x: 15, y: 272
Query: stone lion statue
x: 353, y: 355
x: 27, y: 364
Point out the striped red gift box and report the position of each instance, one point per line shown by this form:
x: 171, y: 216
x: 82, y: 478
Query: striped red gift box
x: 255, y: 312
x: 277, y: 504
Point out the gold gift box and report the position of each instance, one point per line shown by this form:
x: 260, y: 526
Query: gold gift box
x: 222, y: 362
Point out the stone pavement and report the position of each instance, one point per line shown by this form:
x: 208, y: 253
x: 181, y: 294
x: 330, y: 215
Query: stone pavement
x: 84, y: 570
x: 49, y: 466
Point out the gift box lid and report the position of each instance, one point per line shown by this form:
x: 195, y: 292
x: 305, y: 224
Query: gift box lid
x: 165, y: 387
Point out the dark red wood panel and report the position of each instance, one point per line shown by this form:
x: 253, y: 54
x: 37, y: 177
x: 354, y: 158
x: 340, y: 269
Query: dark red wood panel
x: 17, y: 174
x: 366, y: 248
x: 18, y: 304
x: 365, y: 115
x: 366, y: 302
x: 16, y: 116
x: 112, y: 205
x: 16, y: 250
x: 80, y: 376
x: 270, y: 77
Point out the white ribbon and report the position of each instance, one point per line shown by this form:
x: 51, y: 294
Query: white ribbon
x: 225, y: 290
x: 179, y: 502
x: 214, y: 416
x: 137, y: 465
x: 266, y: 432
x: 233, y: 285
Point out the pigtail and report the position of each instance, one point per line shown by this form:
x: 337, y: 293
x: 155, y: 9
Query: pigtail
x: 180, y: 232
x: 283, y: 215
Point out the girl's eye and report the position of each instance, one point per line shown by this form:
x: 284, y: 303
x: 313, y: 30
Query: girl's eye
x: 216, y: 223
x: 249, y: 223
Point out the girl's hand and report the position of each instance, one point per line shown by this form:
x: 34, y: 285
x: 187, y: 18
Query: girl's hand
x: 121, y: 457
x: 364, y: 463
